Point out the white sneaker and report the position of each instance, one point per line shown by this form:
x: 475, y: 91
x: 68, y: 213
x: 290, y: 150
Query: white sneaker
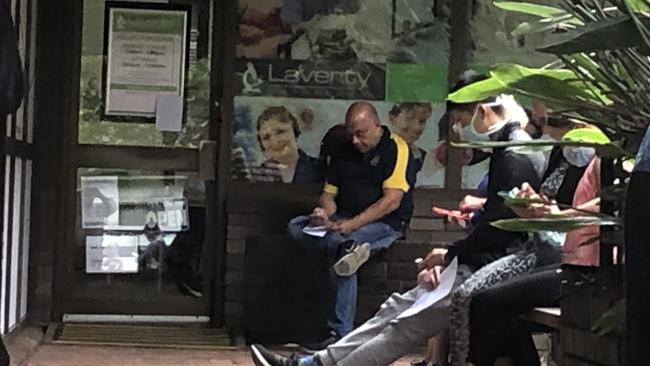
x: 349, y: 264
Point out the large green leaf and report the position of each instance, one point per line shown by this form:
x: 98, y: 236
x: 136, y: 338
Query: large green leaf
x: 590, y: 135
x: 538, y: 26
x: 570, y: 93
x: 478, y: 91
x: 639, y: 6
x: 607, y: 34
x: 554, y: 223
x: 508, y: 73
x: 543, y: 11
x: 556, y: 84
x: 610, y: 150
x: 560, y: 86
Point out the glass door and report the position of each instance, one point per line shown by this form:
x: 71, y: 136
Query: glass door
x: 139, y: 246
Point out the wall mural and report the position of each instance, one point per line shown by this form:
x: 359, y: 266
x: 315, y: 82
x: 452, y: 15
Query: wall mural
x: 278, y: 139
x: 302, y: 63
x: 305, y: 50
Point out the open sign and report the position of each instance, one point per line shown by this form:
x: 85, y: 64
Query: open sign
x: 169, y: 214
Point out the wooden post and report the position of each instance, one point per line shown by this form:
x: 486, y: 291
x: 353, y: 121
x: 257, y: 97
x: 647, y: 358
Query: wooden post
x: 460, y: 42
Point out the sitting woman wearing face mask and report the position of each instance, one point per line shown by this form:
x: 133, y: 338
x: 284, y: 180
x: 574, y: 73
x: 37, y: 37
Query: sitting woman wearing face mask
x: 492, y: 119
x: 572, y: 178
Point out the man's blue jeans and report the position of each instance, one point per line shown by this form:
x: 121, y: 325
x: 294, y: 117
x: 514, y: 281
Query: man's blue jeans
x: 377, y: 234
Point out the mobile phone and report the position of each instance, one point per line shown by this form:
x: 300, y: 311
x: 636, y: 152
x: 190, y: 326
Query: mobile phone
x: 449, y: 213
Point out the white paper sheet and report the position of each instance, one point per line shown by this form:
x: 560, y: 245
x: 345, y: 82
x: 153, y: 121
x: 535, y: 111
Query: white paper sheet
x: 169, y: 112
x: 429, y: 298
x: 319, y: 231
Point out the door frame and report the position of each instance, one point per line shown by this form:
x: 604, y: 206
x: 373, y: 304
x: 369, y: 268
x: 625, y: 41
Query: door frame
x: 74, y: 156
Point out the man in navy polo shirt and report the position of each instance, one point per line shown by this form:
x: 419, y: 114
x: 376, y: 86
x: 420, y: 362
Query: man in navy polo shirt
x: 361, y: 207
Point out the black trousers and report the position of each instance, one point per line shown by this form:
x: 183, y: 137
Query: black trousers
x: 494, y: 329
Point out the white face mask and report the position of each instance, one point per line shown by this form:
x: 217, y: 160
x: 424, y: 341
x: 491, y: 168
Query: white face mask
x: 469, y: 132
x: 579, y: 156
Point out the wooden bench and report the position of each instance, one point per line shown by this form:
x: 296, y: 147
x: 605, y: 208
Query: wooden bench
x: 549, y: 317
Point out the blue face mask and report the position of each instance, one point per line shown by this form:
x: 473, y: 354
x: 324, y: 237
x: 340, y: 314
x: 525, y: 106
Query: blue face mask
x: 579, y: 156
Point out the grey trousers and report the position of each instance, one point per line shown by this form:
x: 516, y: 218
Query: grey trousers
x: 383, y: 339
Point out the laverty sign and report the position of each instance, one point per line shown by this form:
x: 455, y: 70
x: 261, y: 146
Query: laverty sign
x: 339, y: 80
x: 348, y: 78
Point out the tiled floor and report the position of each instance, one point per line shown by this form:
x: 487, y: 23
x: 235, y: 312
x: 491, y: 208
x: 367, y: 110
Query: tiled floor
x: 57, y: 355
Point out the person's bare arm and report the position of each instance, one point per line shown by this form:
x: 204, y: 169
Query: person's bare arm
x: 388, y: 203
x: 326, y: 208
x: 326, y: 202
x: 472, y: 203
x: 544, y: 210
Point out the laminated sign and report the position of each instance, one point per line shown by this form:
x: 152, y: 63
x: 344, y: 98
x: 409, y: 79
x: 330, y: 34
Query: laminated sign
x: 145, y: 51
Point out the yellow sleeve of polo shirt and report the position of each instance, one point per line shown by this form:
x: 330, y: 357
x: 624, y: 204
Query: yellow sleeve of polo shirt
x: 331, y: 189
x: 397, y: 179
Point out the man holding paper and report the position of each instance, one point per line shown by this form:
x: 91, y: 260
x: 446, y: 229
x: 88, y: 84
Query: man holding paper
x: 361, y: 209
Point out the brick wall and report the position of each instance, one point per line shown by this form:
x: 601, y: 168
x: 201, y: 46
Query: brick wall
x: 583, y: 304
x: 277, y: 292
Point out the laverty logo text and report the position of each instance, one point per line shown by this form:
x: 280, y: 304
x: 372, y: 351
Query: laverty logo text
x: 348, y: 78
x: 300, y: 76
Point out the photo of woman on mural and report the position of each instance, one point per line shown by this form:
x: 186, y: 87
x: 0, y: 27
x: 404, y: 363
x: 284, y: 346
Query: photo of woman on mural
x: 277, y: 134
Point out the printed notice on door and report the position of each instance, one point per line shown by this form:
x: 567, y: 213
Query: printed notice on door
x: 100, y: 198
x: 145, y: 58
x: 112, y: 254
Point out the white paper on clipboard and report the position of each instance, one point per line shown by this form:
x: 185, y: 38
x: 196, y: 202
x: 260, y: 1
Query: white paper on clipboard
x: 429, y: 298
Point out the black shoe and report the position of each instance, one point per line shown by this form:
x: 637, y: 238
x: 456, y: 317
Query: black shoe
x: 263, y: 357
x: 319, y: 346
